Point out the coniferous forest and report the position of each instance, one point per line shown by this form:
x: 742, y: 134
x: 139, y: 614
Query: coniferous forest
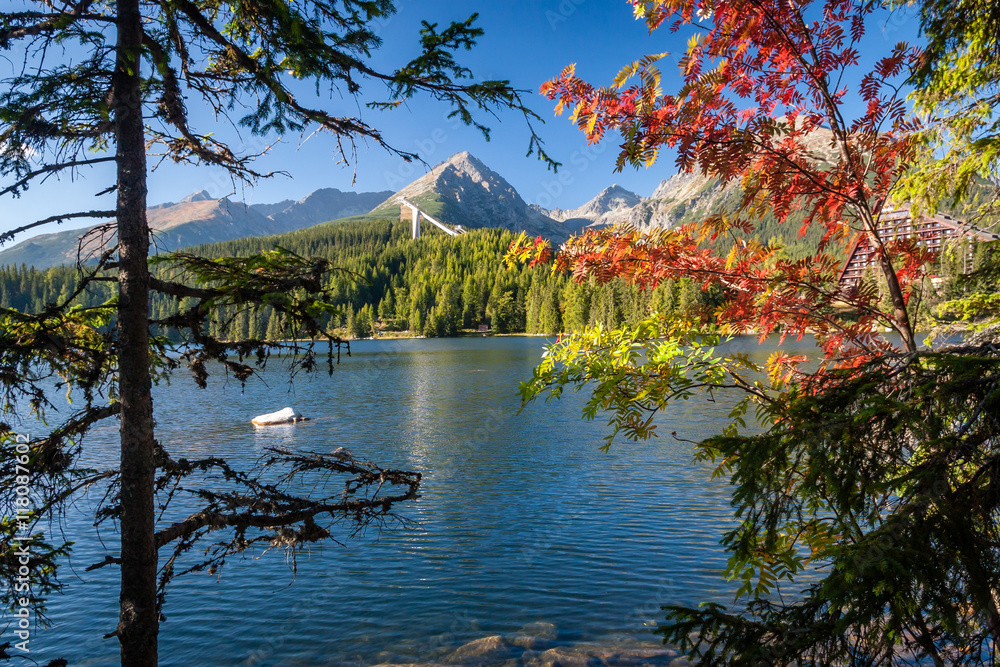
x: 847, y: 488
x: 438, y: 286
x: 434, y: 286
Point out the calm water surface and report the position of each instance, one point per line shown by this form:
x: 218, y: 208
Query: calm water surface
x: 522, y: 519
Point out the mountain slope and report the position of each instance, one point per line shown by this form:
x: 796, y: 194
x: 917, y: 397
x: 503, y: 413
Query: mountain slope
x: 464, y: 191
x: 679, y: 199
x: 611, y: 206
x: 319, y: 206
x: 199, y: 219
x: 194, y: 220
x: 682, y: 198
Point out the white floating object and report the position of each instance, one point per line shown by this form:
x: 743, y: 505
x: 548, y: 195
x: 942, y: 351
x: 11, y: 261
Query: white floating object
x: 286, y: 416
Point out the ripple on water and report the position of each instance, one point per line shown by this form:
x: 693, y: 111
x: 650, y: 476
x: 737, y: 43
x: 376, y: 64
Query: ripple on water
x: 522, y: 519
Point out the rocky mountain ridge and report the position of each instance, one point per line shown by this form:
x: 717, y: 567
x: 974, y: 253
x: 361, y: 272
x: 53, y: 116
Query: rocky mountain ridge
x: 675, y: 200
x: 459, y: 191
x: 611, y: 206
x: 464, y: 191
x: 200, y: 218
x: 684, y: 197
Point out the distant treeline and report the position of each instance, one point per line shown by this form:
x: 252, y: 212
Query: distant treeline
x: 434, y: 286
x: 439, y: 285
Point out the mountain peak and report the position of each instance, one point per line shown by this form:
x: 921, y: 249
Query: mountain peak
x: 466, y: 162
x: 463, y: 156
x: 617, y: 192
x: 462, y: 190
x: 612, y: 205
x: 197, y: 196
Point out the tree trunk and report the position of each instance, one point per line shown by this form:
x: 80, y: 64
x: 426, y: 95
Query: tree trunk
x: 138, y: 622
x: 900, y: 316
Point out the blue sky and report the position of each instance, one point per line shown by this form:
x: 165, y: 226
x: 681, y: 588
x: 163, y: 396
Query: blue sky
x: 526, y: 41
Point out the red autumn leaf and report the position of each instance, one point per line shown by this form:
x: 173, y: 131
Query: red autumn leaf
x: 762, y: 106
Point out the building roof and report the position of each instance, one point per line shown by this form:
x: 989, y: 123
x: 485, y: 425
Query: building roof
x: 932, y: 230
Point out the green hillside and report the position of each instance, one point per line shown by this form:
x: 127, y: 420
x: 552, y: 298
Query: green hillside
x: 430, y: 203
x: 434, y: 286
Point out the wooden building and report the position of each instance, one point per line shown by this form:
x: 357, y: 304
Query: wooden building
x: 933, y: 231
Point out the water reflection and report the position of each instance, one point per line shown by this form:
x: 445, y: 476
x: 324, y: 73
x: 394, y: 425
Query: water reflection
x: 522, y: 519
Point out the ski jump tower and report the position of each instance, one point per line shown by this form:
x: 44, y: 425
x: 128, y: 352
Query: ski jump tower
x: 417, y: 214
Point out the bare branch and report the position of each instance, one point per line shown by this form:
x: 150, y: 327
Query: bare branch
x: 15, y: 188
x: 7, y: 236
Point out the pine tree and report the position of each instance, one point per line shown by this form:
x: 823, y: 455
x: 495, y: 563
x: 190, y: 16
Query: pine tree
x: 550, y: 319
x: 576, y: 306
x: 470, y: 302
x: 871, y: 473
x: 137, y: 66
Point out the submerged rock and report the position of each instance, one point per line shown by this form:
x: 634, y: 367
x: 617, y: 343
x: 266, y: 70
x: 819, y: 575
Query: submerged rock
x: 486, y: 651
x: 600, y: 656
x: 540, y: 629
x: 535, y: 636
x: 500, y: 651
x: 286, y: 416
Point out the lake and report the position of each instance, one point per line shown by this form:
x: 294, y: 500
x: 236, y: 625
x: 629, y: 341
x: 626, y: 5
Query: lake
x: 524, y: 527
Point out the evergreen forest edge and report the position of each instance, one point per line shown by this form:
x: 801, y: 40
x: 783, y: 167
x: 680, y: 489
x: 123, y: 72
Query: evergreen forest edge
x: 438, y: 286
